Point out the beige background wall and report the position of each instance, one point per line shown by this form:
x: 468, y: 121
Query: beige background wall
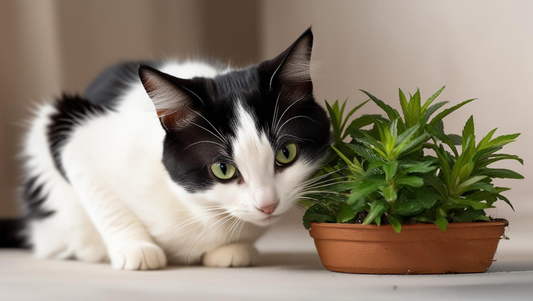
x: 478, y: 49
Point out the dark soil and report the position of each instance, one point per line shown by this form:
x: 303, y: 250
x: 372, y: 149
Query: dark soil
x: 496, y: 219
x: 385, y: 220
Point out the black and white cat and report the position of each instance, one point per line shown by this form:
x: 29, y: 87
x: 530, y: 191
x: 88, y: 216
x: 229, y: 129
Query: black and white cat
x: 176, y: 162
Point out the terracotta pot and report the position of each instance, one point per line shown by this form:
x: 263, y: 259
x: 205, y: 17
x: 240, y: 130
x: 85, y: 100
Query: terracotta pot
x: 417, y: 249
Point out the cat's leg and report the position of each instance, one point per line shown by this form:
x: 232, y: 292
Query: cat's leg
x: 129, y: 245
x: 61, y: 229
x: 232, y: 255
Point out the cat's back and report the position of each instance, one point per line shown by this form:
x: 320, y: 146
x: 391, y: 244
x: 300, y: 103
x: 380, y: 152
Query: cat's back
x: 117, y: 81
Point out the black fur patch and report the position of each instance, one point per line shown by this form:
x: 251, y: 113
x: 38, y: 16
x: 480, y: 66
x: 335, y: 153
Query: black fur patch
x: 34, y: 197
x: 71, y: 111
x: 10, y: 233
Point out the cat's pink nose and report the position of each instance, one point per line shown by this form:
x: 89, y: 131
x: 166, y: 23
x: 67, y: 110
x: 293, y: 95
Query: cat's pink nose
x: 268, y: 209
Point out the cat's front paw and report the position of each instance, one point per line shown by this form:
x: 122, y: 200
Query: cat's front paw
x: 139, y: 256
x: 232, y: 255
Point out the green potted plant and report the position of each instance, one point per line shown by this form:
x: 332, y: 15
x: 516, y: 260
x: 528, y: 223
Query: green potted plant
x: 398, y: 195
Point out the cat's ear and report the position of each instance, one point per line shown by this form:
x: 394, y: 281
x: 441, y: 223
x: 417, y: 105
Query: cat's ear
x: 173, y: 98
x: 292, y: 66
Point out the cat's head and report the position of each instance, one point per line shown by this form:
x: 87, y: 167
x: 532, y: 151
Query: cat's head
x: 245, y: 140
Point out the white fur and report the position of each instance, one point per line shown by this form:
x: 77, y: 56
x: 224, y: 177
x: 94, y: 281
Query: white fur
x: 121, y: 204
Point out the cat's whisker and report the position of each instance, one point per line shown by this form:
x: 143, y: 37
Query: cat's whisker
x: 328, y: 184
x: 206, y: 141
x: 227, y: 232
x: 320, y: 192
x: 312, y: 180
x: 217, y: 136
x: 326, y: 181
x: 295, y: 138
x: 233, y: 229
x: 205, y: 233
x: 284, y: 112
x: 238, y: 221
x: 314, y: 201
x: 220, y: 135
x: 276, y: 108
x: 243, y: 222
x: 292, y: 118
x: 201, y: 209
x: 190, y: 221
x: 176, y: 216
x: 186, y: 223
x: 299, y: 207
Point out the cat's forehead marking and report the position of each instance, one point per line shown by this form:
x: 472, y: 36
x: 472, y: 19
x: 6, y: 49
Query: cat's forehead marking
x: 252, y: 150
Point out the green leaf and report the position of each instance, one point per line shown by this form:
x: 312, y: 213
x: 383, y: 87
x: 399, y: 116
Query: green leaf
x: 317, y: 218
x: 502, y: 140
x: 362, y: 190
x: 448, y: 111
x: 483, y: 143
x: 335, y: 123
x: 408, y: 207
x: 368, y: 154
x: 343, y: 133
x: 418, y: 167
x: 483, y: 195
x: 371, y: 169
x: 346, y: 213
x: 359, y: 205
x: 389, y: 193
x: 413, y: 145
x: 431, y: 99
x: 390, y: 169
x: 499, y: 173
x: 467, y: 202
x: 413, y: 203
x: 410, y: 181
x: 396, y: 223
x: 341, y: 112
x: 408, y: 134
x: 432, y: 109
x: 501, y: 197
x: 377, y: 208
x: 441, y: 220
x: 414, y: 109
x: 468, y: 132
x: 455, y: 139
x: 373, y: 143
x: 426, y: 216
x: 362, y: 121
x: 342, y: 156
x: 469, y: 215
x: 486, y: 152
x: 465, y: 185
x: 444, y: 138
x: 481, y: 186
x: 391, y: 112
x: 317, y: 213
x: 498, y: 157
x: 403, y: 103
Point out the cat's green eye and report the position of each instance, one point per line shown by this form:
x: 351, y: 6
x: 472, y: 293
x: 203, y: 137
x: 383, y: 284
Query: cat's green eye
x: 223, y: 171
x: 286, y: 154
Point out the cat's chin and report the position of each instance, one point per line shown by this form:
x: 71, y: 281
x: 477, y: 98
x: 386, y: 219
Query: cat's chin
x: 266, y: 221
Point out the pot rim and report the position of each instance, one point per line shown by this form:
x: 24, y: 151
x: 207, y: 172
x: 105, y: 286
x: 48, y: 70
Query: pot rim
x: 410, y: 226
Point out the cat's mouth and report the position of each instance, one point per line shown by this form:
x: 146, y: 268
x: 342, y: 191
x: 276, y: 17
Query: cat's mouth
x: 270, y: 217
